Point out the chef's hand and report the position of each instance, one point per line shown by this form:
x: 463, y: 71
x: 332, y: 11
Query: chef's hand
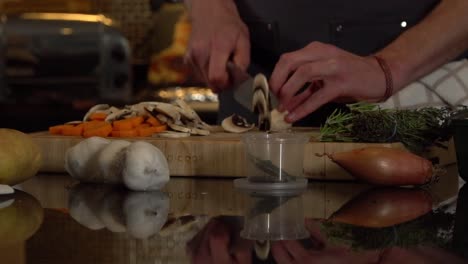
x: 219, y: 243
x: 218, y: 34
x: 330, y: 73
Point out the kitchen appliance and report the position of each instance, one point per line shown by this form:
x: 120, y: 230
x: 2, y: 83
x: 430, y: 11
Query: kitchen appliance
x: 63, y: 57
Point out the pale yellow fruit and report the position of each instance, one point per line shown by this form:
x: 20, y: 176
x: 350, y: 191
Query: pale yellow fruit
x: 20, y: 220
x: 20, y: 157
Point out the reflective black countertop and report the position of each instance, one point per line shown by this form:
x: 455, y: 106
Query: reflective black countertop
x: 54, y: 219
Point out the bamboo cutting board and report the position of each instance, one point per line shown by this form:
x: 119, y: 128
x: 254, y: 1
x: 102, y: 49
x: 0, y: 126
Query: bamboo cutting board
x: 222, y: 154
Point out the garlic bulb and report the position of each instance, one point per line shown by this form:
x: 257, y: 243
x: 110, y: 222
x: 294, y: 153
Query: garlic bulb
x: 146, y: 167
x: 81, y: 159
x: 111, y: 160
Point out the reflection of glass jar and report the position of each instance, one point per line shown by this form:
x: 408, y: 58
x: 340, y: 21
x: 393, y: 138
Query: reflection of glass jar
x: 274, y: 217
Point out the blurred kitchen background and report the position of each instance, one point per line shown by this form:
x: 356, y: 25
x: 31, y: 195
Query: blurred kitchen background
x: 60, y: 57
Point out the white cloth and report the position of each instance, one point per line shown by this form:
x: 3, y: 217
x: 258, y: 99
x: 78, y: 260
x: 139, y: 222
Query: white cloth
x: 446, y: 86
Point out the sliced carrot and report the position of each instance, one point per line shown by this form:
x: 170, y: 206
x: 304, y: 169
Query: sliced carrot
x: 137, y: 120
x: 104, y: 130
x: 129, y: 123
x: 93, y: 124
x: 148, y: 131
x: 99, y: 116
x: 153, y: 121
x: 144, y: 125
x: 70, y: 130
x: 124, y: 133
x: 57, y: 130
x: 160, y: 128
x: 124, y: 124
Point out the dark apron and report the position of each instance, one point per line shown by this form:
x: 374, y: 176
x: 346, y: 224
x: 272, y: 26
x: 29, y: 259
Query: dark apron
x: 278, y: 26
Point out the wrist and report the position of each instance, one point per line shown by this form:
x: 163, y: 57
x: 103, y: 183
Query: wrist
x: 397, y: 69
x: 388, y: 77
x: 210, y: 7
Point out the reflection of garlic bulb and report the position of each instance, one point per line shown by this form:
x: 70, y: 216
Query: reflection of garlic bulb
x: 145, y: 213
x: 138, y: 165
x: 84, y: 204
x: 110, y: 212
x: 140, y: 214
x: 145, y: 168
x: 81, y: 160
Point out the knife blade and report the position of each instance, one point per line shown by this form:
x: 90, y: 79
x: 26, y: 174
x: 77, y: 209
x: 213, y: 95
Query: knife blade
x: 242, y: 83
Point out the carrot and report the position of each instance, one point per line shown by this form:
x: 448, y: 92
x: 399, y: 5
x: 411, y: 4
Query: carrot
x: 99, y: 116
x: 93, y: 124
x: 137, y: 120
x: 102, y: 130
x: 384, y: 207
x: 160, y: 128
x: 57, y: 130
x: 124, y: 133
x: 148, y: 131
x: 70, y: 130
x: 128, y: 124
x: 144, y: 125
x: 123, y: 124
x: 153, y: 121
x: 385, y: 166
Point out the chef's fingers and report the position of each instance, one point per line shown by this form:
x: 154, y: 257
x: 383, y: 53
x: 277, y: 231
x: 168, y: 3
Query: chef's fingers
x: 318, y: 239
x: 295, y: 249
x: 200, y: 238
x: 289, y: 62
x: 198, y: 55
x: 315, y: 101
x: 306, y: 73
x: 300, y: 98
x: 280, y: 254
x: 219, y: 244
x: 241, y: 250
x: 200, y: 71
x: 296, y: 100
x: 221, y: 50
x: 241, y: 56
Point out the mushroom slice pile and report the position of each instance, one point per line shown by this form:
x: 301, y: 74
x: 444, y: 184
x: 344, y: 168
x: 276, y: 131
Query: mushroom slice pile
x: 236, y: 124
x: 179, y: 116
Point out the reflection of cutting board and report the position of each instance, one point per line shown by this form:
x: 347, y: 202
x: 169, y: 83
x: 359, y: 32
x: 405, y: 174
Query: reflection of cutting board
x: 221, y: 154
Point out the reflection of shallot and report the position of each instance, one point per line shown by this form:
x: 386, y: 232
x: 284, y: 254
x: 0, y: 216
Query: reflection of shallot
x: 385, y: 166
x: 384, y: 207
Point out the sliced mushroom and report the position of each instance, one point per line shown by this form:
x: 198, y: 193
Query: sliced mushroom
x: 200, y: 132
x: 277, y: 121
x: 172, y: 134
x: 140, y: 109
x: 163, y: 118
x: 118, y: 115
x: 186, y: 110
x: 94, y: 109
x: 261, y: 101
x: 236, y: 124
x: 169, y: 110
x: 76, y: 122
x: 179, y: 128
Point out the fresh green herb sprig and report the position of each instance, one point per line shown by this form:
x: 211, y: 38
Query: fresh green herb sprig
x: 417, y: 129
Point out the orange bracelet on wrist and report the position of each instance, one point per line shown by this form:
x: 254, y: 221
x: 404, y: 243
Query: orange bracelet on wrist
x: 388, y: 78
